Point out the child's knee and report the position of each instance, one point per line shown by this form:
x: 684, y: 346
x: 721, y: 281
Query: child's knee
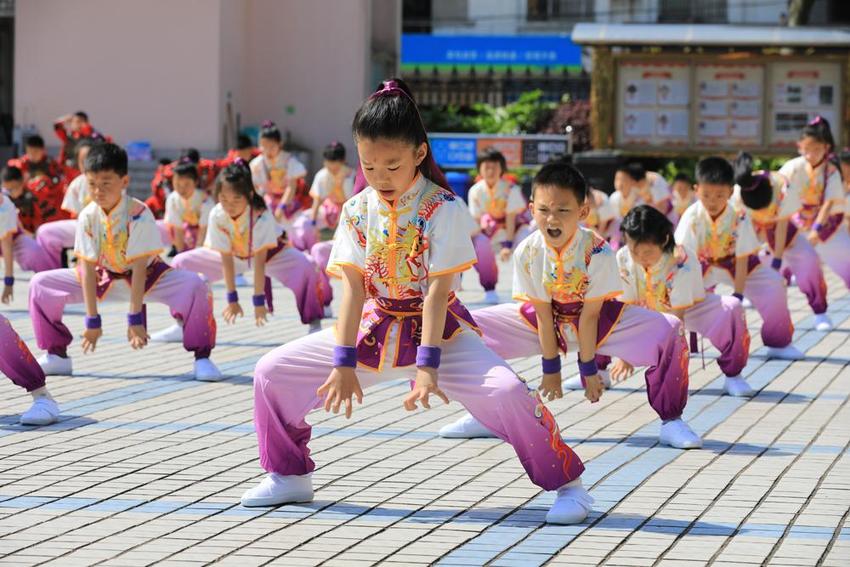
x: 268, y: 367
x: 509, y: 386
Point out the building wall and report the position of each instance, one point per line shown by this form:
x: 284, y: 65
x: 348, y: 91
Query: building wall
x: 308, y: 67
x: 161, y: 70
x: 138, y: 74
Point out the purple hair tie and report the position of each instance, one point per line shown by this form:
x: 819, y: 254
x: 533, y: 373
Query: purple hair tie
x: 345, y: 357
x: 757, y: 181
x: 238, y: 161
x: 816, y: 120
x: 268, y: 124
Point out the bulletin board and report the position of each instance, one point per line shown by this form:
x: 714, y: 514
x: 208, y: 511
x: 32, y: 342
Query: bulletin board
x: 698, y: 104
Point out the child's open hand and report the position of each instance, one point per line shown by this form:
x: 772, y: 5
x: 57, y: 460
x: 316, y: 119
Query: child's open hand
x: 261, y: 315
x: 593, y: 388
x: 426, y: 384
x: 621, y: 370
x: 550, y: 387
x: 339, y: 388
x: 813, y: 237
x: 8, y: 294
x: 138, y: 336
x: 90, y: 337
x: 231, y: 312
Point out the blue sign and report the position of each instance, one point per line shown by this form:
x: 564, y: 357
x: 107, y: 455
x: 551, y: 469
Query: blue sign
x: 454, y: 152
x: 484, y: 50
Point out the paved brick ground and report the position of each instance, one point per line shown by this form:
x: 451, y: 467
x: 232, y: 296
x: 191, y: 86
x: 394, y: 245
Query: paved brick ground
x: 146, y: 466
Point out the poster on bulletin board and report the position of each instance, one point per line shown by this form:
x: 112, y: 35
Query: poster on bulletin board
x: 729, y: 102
x: 800, y: 91
x: 653, y: 103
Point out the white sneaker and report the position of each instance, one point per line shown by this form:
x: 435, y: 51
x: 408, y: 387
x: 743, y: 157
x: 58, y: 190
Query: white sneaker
x: 747, y: 304
x: 676, y: 433
x: 207, y: 371
x: 43, y: 411
x: 278, y: 489
x: 823, y: 322
x: 738, y: 387
x: 315, y: 326
x: 789, y: 352
x: 571, y: 506
x: 241, y: 281
x: 574, y: 383
x: 491, y: 296
x: 173, y: 334
x: 466, y: 427
x: 55, y: 365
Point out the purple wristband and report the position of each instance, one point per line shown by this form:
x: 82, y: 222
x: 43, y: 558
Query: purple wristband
x: 776, y: 263
x: 508, y: 244
x: 551, y: 365
x: 134, y: 319
x: 259, y: 300
x: 428, y: 356
x: 9, y: 281
x: 738, y: 295
x: 93, y: 322
x: 587, y: 368
x: 233, y: 296
x: 817, y: 227
x: 345, y: 356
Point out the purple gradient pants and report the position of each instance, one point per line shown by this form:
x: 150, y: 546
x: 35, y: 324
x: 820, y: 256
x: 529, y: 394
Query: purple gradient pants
x: 291, y: 267
x: 30, y: 256
x: 487, y: 250
x: 54, y: 237
x: 286, y: 379
x: 185, y: 293
x: 641, y: 338
x: 16, y: 360
x: 765, y: 288
x: 721, y: 319
x: 802, y: 259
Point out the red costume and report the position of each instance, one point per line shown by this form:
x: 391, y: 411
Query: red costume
x: 68, y: 153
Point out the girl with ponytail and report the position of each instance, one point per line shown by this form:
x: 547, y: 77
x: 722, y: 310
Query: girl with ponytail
x: 242, y: 235
x: 815, y: 177
x: 400, y: 245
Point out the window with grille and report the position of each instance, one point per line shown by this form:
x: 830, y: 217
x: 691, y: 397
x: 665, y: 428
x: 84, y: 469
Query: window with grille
x: 691, y: 11
x: 548, y: 10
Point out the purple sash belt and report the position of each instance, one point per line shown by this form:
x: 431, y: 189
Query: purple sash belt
x: 728, y: 264
x: 105, y: 278
x: 568, y: 314
x: 381, y: 313
x: 805, y: 218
